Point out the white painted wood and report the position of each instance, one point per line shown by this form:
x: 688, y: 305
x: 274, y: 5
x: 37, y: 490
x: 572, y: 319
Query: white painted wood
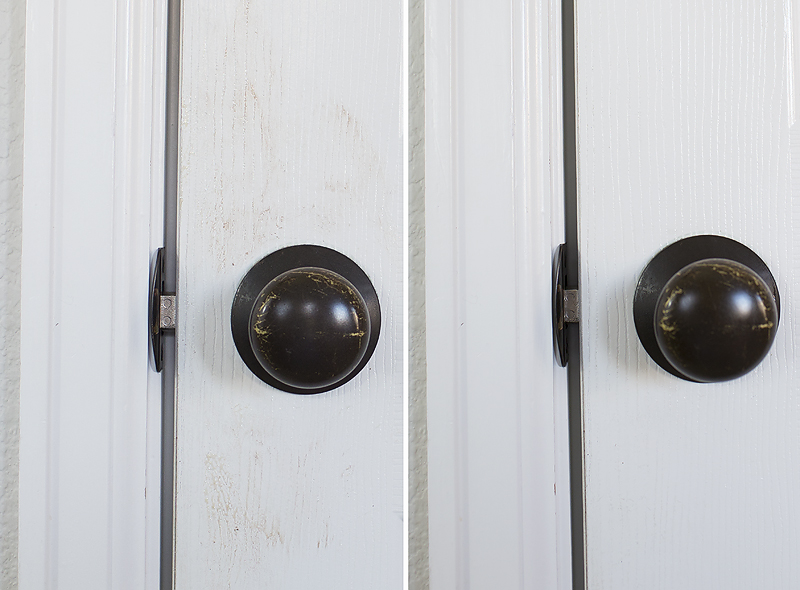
x: 683, y: 128
x: 92, y: 187
x: 291, y: 132
x: 494, y: 213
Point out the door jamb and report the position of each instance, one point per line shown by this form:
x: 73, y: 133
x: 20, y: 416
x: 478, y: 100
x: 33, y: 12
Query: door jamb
x: 90, y: 446
x: 494, y: 193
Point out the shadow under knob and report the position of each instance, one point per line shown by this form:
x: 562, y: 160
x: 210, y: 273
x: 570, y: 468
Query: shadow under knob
x: 707, y: 309
x: 305, y: 319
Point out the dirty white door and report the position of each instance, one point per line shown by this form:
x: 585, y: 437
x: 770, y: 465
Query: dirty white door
x: 290, y: 133
x: 685, y: 126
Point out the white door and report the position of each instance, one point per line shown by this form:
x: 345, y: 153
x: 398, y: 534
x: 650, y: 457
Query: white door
x: 684, y: 127
x: 291, y: 133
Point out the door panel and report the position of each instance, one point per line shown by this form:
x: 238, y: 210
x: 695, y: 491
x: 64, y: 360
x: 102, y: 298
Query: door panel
x: 290, y: 134
x: 683, y: 129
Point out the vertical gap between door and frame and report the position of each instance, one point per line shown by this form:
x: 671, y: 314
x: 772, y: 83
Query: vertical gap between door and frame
x: 170, y: 279
x: 572, y: 282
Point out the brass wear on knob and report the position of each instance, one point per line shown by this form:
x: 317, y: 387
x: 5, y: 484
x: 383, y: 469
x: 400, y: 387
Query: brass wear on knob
x: 309, y: 327
x: 305, y: 319
x: 707, y: 309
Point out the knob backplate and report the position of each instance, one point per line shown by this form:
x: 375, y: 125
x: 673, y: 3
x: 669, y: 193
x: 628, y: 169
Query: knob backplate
x: 156, y: 290
x: 559, y: 326
x: 283, y: 261
x: 667, y: 263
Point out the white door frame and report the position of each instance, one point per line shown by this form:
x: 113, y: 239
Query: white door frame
x: 93, y: 183
x: 497, y: 403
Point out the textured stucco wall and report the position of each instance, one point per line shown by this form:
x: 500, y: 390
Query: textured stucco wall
x: 12, y: 35
x: 418, y: 431
x: 12, y: 57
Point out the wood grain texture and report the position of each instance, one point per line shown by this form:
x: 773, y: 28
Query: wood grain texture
x: 290, y: 133
x: 683, y: 128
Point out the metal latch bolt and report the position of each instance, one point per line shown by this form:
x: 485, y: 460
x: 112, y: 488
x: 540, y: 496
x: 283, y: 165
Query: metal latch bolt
x: 167, y: 315
x: 571, y: 306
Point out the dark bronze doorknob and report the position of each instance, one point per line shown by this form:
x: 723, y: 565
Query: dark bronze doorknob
x: 305, y: 319
x: 706, y: 309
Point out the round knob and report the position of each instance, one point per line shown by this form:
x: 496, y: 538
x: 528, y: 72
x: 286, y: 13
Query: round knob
x: 707, y: 309
x: 309, y: 327
x: 305, y: 319
x: 715, y: 320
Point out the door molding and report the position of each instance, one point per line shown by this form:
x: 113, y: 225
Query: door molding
x: 92, y: 214
x: 497, y: 415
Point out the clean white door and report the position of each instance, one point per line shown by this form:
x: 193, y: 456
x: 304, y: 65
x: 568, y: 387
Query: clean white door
x: 291, y: 133
x: 684, y: 128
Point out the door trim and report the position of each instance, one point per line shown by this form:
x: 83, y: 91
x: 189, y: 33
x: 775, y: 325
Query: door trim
x: 498, y: 447
x: 90, y: 448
